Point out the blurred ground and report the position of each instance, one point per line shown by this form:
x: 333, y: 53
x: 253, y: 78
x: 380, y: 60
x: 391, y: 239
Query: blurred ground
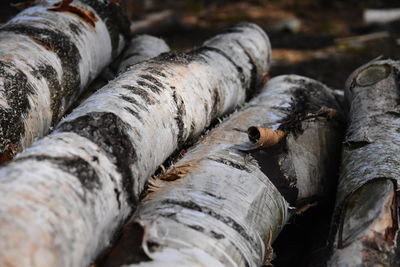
x: 319, y: 39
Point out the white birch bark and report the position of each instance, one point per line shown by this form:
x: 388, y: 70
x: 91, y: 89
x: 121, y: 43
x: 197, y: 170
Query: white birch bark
x: 48, y: 55
x: 222, y: 206
x: 140, y: 48
x: 366, y: 215
x: 62, y: 200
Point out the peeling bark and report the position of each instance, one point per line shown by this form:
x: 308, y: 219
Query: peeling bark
x: 366, y: 215
x: 226, y: 206
x: 48, y: 54
x: 63, y: 199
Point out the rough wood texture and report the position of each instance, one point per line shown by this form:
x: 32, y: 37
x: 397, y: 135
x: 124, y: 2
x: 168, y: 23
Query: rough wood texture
x: 366, y: 217
x: 222, y: 206
x: 48, y: 55
x: 62, y: 199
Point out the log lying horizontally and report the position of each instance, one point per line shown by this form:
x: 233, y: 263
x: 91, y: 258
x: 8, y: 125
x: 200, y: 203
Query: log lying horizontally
x: 62, y: 199
x: 221, y: 206
x: 48, y: 55
x: 366, y: 215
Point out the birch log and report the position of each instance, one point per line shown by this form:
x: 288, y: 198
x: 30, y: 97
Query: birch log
x: 366, y: 216
x: 62, y: 199
x: 48, y: 55
x: 140, y: 48
x: 221, y: 206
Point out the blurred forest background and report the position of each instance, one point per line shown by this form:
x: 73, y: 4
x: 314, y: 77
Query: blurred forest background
x: 322, y: 39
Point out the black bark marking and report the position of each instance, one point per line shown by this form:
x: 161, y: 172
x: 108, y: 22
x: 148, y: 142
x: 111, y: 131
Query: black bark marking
x: 133, y: 112
x: 16, y: 90
x: 180, y: 106
x: 239, y: 69
x: 232, y: 164
x: 216, y: 235
x: 150, y: 86
x: 224, y: 219
x: 174, y: 57
x: 142, y: 93
x: 75, y: 29
x: 269, y: 161
x: 134, y: 102
x: 108, y: 131
x: 69, y: 55
x: 117, y: 194
x: 156, y: 72
x: 308, y: 97
x: 213, y: 195
x: 153, y: 80
x: 216, y: 100
x: 75, y: 166
x: 198, y: 228
x: 114, y: 19
x: 128, y: 249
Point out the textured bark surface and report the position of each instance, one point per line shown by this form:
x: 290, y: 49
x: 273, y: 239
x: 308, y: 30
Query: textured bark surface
x: 48, y: 55
x: 62, y: 199
x: 223, y: 206
x: 366, y: 216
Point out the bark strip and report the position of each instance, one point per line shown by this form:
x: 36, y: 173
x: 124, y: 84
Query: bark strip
x: 48, y: 54
x: 63, y: 199
x: 366, y: 216
x: 227, y: 206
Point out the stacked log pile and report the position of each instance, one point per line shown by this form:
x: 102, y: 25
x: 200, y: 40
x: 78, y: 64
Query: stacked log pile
x: 223, y: 206
x: 182, y: 158
x: 80, y: 183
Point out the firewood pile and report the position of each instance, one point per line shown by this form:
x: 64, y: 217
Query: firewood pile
x: 119, y: 150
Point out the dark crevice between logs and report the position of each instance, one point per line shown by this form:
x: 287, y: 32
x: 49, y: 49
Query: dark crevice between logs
x: 270, y: 161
